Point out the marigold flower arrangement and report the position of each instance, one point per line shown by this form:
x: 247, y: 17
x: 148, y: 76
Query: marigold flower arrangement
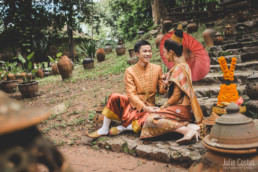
x: 228, y: 92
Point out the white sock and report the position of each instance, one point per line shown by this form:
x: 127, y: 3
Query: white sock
x: 129, y: 127
x: 122, y: 128
x: 105, y: 127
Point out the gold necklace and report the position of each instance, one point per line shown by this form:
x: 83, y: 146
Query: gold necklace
x: 146, y: 92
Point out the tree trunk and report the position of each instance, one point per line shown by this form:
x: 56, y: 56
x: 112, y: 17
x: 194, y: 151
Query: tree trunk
x: 70, y: 32
x: 159, y: 11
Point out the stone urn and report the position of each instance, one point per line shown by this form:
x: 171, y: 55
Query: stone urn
x: 228, y: 30
x: 208, y: 35
x: 167, y: 25
x: 88, y: 63
x: 218, y: 38
x: 133, y: 59
x: 192, y: 27
x: 40, y: 73
x: 108, y: 48
x: 251, y: 88
x: 120, y: 48
x: 65, y: 67
x: 54, y: 69
x: 158, y: 39
x: 100, y: 54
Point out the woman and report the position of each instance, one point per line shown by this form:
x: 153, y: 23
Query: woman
x: 182, y: 106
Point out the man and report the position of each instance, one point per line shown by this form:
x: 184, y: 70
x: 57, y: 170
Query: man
x: 142, y: 81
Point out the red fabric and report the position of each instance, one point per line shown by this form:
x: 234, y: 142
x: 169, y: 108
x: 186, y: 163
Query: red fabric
x: 194, y: 53
x: 119, y: 104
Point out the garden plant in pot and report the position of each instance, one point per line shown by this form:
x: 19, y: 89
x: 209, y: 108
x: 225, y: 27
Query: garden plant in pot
x: 8, y: 71
x: 87, y: 49
x: 28, y: 88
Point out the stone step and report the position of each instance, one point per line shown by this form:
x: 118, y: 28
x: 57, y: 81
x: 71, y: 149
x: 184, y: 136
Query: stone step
x: 212, y: 91
x: 252, y: 56
x: 239, y: 66
x: 217, y: 78
x: 237, y: 45
x: 214, y: 60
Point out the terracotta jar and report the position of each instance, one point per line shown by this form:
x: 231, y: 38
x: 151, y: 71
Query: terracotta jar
x: 133, y: 59
x: 131, y: 53
x: 228, y: 30
x: 100, y: 54
x: 54, y: 69
x: 120, y: 49
x: 65, y: 67
x: 208, y: 35
x: 158, y: 39
x: 167, y: 25
x: 192, y: 27
x: 40, y: 73
x: 88, y: 63
x: 108, y: 48
x: 252, y: 86
x: 218, y: 38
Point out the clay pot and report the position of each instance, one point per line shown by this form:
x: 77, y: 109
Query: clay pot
x: 192, y: 27
x: 54, y: 69
x: 131, y: 53
x: 252, y: 87
x: 65, y: 67
x: 100, y: 54
x: 108, y: 48
x: 218, y: 39
x: 228, y: 30
x: 40, y: 73
x: 208, y: 35
x: 88, y: 63
x: 167, y: 25
x: 120, y: 49
x: 158, y: 39
x: 9, y: 86
x: 28, y: 89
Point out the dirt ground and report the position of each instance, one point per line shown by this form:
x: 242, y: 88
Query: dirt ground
x: 72, y: 104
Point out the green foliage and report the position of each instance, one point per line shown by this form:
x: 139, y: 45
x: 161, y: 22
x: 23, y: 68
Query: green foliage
x: 27, y: 65
x: 128, y: 17
x: 87, y: 48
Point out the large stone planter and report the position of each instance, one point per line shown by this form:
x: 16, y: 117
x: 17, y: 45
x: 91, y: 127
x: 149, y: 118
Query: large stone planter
x: 88, y: 63
x: 28, y: 89
x: 9, y: 86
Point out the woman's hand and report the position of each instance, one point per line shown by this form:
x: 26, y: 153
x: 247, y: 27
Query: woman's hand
x: 150, y: 109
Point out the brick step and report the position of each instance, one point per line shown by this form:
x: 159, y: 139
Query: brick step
x: 253, y: 56
x: 244, y: 66
x: 212, y: 91
x: 217, y: 78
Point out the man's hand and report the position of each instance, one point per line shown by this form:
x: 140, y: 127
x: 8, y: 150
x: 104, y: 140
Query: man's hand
x: 150, y: 109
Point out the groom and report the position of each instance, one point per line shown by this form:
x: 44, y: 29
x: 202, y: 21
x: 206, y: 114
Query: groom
x: 142, y: 81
